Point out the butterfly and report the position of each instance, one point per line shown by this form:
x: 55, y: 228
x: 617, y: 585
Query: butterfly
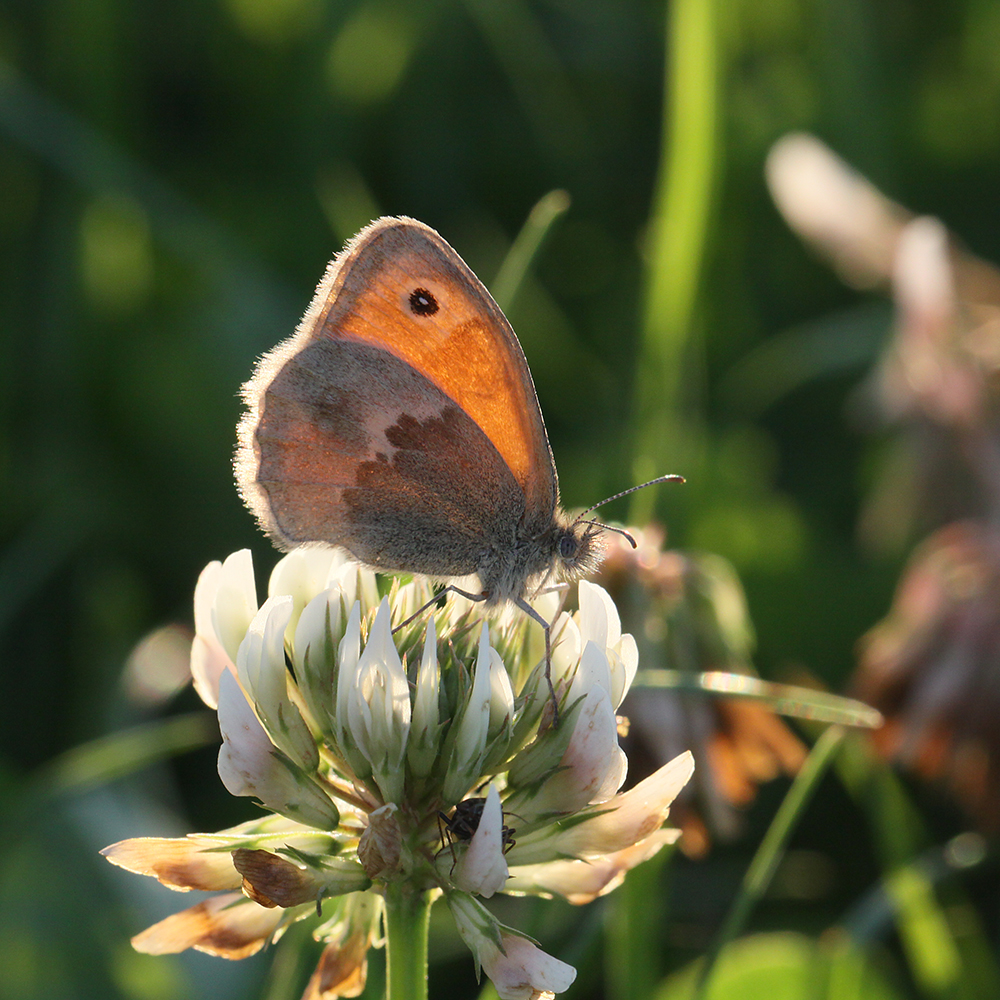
x: 400, y: 422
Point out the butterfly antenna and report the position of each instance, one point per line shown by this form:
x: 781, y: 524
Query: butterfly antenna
x: 601, y: 526
x: 631, y: 489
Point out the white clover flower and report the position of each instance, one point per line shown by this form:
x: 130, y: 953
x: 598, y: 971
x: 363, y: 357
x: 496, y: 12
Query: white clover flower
x: 423, y: 748
x: 377, y: 699
x: 225, y: 601
x: 482, y: 869
x: 517, y: 967
x: 250, y: 764
x: 371, y: 750
x: 472, y: 726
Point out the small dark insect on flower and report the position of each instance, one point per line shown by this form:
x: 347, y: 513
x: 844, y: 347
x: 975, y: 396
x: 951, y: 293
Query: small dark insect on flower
x: 463, y: 823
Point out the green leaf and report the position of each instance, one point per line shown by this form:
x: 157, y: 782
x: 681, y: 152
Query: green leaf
x: 787, y: 967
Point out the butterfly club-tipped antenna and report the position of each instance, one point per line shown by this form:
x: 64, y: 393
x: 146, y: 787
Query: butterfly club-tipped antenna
x: 601, y: 526
x: 594, y: 527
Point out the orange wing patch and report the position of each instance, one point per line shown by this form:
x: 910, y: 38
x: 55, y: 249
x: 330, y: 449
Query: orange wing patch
x: 400, y: 287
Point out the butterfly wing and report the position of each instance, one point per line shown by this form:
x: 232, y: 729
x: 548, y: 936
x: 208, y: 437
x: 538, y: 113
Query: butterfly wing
x: 400, y: 420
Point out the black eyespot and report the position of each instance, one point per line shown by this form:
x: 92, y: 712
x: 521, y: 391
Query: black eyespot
x: 567, y: 547
x: 422, y: 302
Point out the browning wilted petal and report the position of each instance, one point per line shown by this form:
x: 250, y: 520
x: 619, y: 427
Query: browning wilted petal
x: 272, y: 881
x: 380, y: 845
x: 342, y: 970
x: 181, y: 863
x: 750, y: 745
x: 228, y: 926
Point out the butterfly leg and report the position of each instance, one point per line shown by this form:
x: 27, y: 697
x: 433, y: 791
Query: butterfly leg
x: 477, y: 598
x: 532, y: 613
x: 526, y: 608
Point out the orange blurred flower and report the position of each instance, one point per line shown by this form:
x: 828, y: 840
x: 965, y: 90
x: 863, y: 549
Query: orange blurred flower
x: 688, y: 613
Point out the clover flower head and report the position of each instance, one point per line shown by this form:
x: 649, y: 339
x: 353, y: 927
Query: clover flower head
x: 370, y: 746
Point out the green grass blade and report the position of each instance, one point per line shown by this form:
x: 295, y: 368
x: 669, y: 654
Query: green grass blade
x: 769, y: 854
x: 114, y: 756
x: 946, y: 948
x: 689, y: 160
x: 633, y: 932
x: 523, y: 250
x: 784, y: 699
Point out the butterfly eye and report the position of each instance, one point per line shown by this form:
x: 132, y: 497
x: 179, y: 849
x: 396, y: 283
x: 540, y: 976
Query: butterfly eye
x: 567, y: 547
x: 422, y: 302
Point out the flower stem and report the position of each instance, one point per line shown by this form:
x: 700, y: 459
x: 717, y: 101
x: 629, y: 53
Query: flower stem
x: 407, y: 914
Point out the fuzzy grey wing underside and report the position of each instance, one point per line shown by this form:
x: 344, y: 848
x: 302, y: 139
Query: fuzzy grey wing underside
x: 356, y: 448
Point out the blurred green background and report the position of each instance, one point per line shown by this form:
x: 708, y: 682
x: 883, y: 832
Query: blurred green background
x: 174, y: 176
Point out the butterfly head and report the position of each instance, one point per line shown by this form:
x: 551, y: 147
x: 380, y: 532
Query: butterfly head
x: 577, y: 548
